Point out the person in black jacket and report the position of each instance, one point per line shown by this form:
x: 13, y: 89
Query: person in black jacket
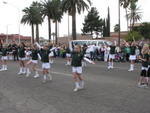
x: 4, y: 58
x: 15, y: 51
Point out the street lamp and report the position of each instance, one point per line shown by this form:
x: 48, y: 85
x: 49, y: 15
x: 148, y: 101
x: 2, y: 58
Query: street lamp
x: 7, y: 33
x: 18, y: 16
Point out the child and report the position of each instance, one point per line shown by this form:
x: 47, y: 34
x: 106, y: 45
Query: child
x: 68, y: 56
x: 111, y: 57
x: 21, y: 54
x: 132, y: 57
x: 33, y: 62
x: 143, y: 80
x: 45, y: 57
x: 77, y: 57
x: 4, y: 58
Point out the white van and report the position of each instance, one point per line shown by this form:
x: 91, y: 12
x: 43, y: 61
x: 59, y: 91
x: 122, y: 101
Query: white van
x: 98, y: 43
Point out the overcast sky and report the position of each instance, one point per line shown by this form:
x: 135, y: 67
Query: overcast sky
x: 10, y: 16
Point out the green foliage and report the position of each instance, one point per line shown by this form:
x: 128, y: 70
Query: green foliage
x: 73, y: 7
x: 133, y: 36
x: 144, y: 30
x: 57, y: 10
x: 116, y: 28
x: 93, y: 24
x: 79, y: 5
x: 134, y: 13
x: 37, y: 12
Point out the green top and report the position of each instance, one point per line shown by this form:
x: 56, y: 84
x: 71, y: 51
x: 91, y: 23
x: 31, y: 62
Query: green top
x: 133, y: 48
x: 4, y: 51
x: 45, y: 55
x: 34, y: 54
x: 145, y: 63
x: 67, y: 50
x: 21, y: 52
x: 77, y: 59
x: 127, y: 50
x: 112, y: 49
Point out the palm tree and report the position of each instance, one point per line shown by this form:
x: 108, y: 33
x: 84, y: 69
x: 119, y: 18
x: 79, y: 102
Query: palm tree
x: 125, y: 4
x: 57, y: 15
x: 37, y: 7
x: 48, y: 12
x: 28, y: 19
x: 134, y: 14
x: 73, y: 7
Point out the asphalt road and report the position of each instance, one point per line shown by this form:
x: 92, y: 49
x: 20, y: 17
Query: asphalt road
x: 106, y: 91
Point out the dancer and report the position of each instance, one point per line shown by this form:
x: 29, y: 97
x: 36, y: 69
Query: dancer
x: 21, y: 54
x: 4, y: 58
x: 33, y: 62
x: 45, y: 55
x: 132, y: 57
x: 111, y: 57
x: 77, y: 57
x: 143, y: 80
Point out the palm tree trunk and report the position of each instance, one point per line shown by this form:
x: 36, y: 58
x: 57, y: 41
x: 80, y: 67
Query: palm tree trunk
x: 127, y: 19
x: 37, y: 33
x: 74, y: 24
x: 49, y: 28
x: 32, y: 30
x: 133, y: 22
x: 119, y: 24
x: 56, y: 33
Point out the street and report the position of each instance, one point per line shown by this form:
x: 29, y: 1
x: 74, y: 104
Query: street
x: 106, y: 91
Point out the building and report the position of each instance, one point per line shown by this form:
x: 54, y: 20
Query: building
x: 123, y: 34
x: 14, y: 37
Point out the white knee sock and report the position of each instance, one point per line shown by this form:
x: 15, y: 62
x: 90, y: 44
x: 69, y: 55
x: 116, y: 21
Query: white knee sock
x: 109, y: 64
x: 24, y: 70
x: 28, y: 70
x: 112, y: 64
x: 3, y: 66
x: 77, y: 84
x: 82, y: 84
x: 44, y: 77
x: 50, y: 76
x: 132, y: 66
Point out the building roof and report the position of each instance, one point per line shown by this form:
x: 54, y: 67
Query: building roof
x: 14, y: 36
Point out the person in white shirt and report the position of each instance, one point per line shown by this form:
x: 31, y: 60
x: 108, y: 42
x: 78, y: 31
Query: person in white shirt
x: 106, y: 53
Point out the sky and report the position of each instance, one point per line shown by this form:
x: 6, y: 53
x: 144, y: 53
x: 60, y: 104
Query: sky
x: 11, y: 14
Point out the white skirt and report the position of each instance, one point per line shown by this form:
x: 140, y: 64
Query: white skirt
x: 77, y: 70
x: 22, y: 59
x: 4, y: 58
x: 144, y: 68
x: 34, y: 61
x: 132, y: 57
x: 68, y: 55
x: 112, y: 56
x: 46, y: 66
